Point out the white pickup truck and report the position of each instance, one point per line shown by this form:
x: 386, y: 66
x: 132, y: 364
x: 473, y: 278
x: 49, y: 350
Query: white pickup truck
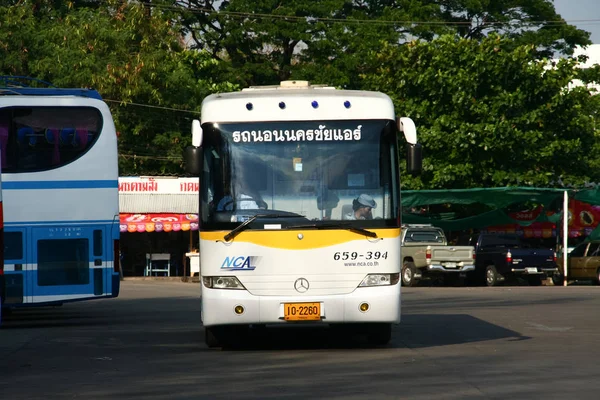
x: 425, y: 252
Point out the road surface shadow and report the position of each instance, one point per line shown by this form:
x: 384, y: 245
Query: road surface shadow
x: 415, y: 331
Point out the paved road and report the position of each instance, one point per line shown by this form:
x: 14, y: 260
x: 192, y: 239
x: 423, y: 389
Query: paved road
x: 453, y: 343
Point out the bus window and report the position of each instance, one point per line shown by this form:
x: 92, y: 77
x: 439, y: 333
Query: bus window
x: 42, y: 138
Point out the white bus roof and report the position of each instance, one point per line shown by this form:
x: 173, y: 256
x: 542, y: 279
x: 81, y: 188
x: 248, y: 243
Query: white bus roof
x: 298, y: 101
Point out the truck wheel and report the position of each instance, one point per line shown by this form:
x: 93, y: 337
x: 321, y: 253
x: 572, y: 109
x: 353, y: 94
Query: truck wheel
x: 408, y: 274
x: 491, y: 276
x: 558, y: 279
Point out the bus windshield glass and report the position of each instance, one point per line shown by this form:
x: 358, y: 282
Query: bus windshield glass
x: 327, y: 172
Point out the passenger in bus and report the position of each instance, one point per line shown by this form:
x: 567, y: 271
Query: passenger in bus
x: 362, y: 208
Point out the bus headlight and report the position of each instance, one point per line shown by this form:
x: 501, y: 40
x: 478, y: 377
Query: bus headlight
x: 380, y: 280
x: 222, y: 282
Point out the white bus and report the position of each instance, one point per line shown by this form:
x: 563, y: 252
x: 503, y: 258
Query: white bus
x: 60, y: 186
x: 299, y: 209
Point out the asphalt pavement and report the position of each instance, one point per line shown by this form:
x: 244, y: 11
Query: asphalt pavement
x: 453, y: 343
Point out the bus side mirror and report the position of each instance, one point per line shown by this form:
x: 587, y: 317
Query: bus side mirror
x: 414, y: 156
x: 197, y: 134
x: 192, y: 157
x: 414, y: 159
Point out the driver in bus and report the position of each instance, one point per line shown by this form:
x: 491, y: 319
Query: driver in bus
x: 244, y: 200
x: 362, y: 208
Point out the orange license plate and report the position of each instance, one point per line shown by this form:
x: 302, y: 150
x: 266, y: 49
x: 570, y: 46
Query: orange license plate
x: 302, y: 311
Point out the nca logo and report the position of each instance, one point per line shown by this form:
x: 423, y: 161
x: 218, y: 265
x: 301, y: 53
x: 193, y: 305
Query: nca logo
x: 243, y: 263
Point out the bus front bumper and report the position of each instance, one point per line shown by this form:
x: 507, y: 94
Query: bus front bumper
x: 219, y: 307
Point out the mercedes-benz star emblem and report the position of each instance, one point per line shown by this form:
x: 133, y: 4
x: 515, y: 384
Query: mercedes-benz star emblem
x: 301, y: 285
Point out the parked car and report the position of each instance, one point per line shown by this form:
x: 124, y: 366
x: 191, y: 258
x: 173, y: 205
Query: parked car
x: 501, y: 256
x: 583, y: 263
x: 425, y: 252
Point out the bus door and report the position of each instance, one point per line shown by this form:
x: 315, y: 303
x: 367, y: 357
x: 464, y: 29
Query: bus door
x: 69, y: 262
x: 16, y: 268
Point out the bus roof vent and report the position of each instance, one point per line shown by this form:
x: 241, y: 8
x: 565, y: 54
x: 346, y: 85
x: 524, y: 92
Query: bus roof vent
x: 294, y: 84
x: 284, y: 85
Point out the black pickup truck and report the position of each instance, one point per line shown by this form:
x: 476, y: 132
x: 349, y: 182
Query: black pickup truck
x: 502, y: 256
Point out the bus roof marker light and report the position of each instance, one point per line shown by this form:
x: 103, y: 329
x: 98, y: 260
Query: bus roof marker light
x: 281, y: 105
x: 249, y: 106
x: 314, y: 104
x: 347, y: 104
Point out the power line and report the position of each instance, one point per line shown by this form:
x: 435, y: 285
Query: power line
x: 127, y: 103
x: 295, y: 18
x: 150, y: 157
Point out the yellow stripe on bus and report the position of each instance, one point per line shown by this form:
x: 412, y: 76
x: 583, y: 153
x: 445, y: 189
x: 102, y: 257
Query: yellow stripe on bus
x: 311, y: 239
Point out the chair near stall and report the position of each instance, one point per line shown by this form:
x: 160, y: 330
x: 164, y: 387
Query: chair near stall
x: 151, y: 258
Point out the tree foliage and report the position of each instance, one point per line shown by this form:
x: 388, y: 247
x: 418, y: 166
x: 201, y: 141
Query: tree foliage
x: 329, y: 41
x: 490, y: 114
x: 534, y: 22
x: 132, y: 57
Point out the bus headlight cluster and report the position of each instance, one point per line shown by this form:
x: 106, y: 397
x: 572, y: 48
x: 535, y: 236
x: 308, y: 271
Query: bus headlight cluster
x: 222, y: 282
x: 380, y: 280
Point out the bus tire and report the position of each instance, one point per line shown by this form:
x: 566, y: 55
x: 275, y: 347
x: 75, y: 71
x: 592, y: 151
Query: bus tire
x: 212, y: 337
x: 408, y: 274
x: 379, y: 334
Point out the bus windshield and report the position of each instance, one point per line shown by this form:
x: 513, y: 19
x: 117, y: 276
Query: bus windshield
x: 322, y: 171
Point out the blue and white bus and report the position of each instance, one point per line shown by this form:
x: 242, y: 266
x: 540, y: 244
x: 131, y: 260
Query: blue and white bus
x: 60, y: 190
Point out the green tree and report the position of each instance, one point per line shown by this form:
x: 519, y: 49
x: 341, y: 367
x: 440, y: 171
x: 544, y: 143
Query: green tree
x: 132, y: 58
x: 491, y: 114
x: 329, y: 41
x: 533, y: 22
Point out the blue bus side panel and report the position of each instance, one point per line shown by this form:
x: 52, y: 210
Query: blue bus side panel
x: 14, y: 288
x: 91, y: 275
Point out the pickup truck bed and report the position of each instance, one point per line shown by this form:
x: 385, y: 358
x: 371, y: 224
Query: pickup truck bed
x: 501, y: 256
x: 425, y: 252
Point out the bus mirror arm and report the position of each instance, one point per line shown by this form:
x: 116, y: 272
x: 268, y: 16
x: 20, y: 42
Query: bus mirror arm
x: 408, y: 128
x: 192, y: 157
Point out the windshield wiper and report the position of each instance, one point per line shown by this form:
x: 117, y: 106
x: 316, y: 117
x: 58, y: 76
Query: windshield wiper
x: 348, y: 227
x: 247, y: 222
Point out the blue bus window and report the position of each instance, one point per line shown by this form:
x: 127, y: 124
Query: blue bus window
x: 63, y: 262
x: 51, y: 135
x: 26, y: 135
x: 67, y: 136
x: 13, y: 245
x: 97, y: 243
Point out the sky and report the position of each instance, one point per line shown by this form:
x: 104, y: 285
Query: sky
x: 584, y: 14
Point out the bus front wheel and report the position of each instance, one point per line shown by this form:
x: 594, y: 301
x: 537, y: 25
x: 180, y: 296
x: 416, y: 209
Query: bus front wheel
x: 226, y: 336
x: 379, y: 334
x: 211, y: 337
